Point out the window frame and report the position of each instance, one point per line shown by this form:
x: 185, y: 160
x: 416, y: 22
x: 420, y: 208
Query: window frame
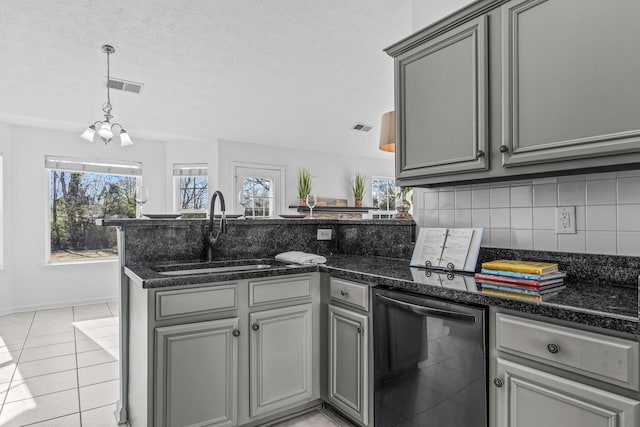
x: 276, y: 172
x: 181, y: 170
x: 76, y: 164
x: 2, y: 213
x: 384, y: 214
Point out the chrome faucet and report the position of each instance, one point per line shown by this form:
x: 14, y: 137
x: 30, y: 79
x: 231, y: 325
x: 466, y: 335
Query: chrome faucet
x: 212, y: 238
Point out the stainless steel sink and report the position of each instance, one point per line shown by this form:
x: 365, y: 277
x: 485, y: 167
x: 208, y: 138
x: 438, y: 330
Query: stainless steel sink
x: 218, y: 267
x: 208, y: 270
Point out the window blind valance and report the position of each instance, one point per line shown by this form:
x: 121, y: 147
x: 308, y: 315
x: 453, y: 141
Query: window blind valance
x: 114, y: 167
x: 190, y: 169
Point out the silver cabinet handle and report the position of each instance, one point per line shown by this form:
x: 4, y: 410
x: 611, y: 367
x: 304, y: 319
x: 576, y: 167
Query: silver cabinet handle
x: 498, y: 382
x: 553, y: 348
x: 343, y: 292
x: 255, y: 326
x: 359, y: 330
x: 480, y: 153
x: 236, y: 333
x: 504, y: 149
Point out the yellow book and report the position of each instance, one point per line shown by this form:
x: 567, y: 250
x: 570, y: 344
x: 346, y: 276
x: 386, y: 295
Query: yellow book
x: 530, y: 267
x: 507, y: 294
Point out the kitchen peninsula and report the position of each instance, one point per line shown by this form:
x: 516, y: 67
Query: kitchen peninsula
x: 159, y: 310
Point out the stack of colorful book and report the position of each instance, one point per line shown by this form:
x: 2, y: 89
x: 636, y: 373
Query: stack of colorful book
x: 529, y: 280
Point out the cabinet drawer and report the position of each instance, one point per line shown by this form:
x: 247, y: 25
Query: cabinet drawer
x: 193, y: 301
x: 352, y: 293
x: 609, y: 359
x: 278, y: 290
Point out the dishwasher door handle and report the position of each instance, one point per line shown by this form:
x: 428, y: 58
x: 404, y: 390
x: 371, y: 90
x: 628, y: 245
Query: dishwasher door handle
x: 428, y: 311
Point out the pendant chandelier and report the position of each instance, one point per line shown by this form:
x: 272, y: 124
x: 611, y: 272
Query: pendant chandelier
x: 104, y: 129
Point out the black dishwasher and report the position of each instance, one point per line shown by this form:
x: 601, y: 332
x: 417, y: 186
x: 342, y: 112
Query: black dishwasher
x: 430, y: 362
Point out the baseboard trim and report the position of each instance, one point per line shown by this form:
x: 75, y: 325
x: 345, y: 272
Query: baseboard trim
x: 36, y: 307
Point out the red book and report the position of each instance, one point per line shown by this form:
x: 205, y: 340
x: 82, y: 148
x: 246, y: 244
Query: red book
x: 490, y: 278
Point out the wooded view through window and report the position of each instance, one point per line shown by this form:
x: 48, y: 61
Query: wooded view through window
x: 258, y: 196
x: 77, y: 199
x: 194, y: 193
x: 383, y: 191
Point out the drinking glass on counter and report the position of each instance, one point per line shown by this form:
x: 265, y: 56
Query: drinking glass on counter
x: 142, y: 197
x: 311, y: 203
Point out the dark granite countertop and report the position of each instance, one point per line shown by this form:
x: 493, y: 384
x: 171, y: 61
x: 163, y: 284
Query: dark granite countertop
x: 612, y: 307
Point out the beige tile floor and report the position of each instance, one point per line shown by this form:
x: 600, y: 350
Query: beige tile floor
x: 59, y: 368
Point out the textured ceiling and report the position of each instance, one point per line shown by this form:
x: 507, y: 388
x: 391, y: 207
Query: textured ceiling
x: 294, y: 73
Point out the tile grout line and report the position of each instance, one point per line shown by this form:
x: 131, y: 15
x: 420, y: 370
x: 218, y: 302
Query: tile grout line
x: 2, y: 404
x: 75, y: 344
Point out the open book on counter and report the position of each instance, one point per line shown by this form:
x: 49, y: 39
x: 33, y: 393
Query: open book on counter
x: 453, y: 249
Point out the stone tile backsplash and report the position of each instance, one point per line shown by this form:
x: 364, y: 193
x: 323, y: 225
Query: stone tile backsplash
x: 521, y: 214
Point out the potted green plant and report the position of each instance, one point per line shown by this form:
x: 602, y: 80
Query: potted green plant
x: 304, y: 185
x: 359, y: 187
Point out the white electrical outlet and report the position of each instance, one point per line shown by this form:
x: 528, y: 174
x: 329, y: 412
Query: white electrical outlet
x: 565, y: 220
x: 324, y: 234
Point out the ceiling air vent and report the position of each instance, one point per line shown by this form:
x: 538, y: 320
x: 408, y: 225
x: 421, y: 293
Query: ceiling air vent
x: 362, y: 127
x: 124, y: 85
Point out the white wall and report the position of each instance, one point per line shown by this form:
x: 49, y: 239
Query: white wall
x: 33, y: 283
x: 331, y: 173
x: 426, y: 12
x: 6, y: 290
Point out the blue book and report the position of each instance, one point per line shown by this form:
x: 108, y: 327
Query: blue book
x: 555, y: 289
x: 525, y: 275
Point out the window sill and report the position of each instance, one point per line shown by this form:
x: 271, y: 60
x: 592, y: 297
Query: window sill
x: 81, y: 262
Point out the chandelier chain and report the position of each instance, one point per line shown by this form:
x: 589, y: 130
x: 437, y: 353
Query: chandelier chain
x: 107, y: 108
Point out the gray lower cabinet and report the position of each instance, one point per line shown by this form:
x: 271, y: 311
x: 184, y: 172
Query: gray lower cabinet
x: 546, y: 374
x: 529, y: 397
x: 197, y: 374
x: 348, y: 363
x: 237, y: 353
x: 281, y: 358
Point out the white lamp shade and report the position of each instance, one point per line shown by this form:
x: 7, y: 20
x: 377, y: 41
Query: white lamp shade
x: 388, y: 132
x: 89, y: 133
x: 105, y: 131
x: 125, y: 139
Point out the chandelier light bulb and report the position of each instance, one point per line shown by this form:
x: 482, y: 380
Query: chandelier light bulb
x: 89, y: 133
x: 125, y: 139
x: 105, y: 131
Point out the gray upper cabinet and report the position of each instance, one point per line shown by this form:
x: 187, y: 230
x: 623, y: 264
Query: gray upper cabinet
x: 507, y: 89
x: 570, y: 79
x: 441, y: 104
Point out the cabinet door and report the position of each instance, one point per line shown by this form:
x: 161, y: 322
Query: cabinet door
x: 196, y: 374
x: 532, y: 398
x: 441, y: 104
x: 570, y: 80
x: 281, y: 358
x: 348, y: 362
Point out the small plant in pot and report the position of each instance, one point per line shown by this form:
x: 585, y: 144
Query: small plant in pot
x: 359, y: 188
x: 304, y: 185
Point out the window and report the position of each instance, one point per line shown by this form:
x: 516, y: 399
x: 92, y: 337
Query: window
x: 384, y: 193
x: 257, y: 190
x: 1, y: 212
x: 192, y: 187
x: 80, y: 191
